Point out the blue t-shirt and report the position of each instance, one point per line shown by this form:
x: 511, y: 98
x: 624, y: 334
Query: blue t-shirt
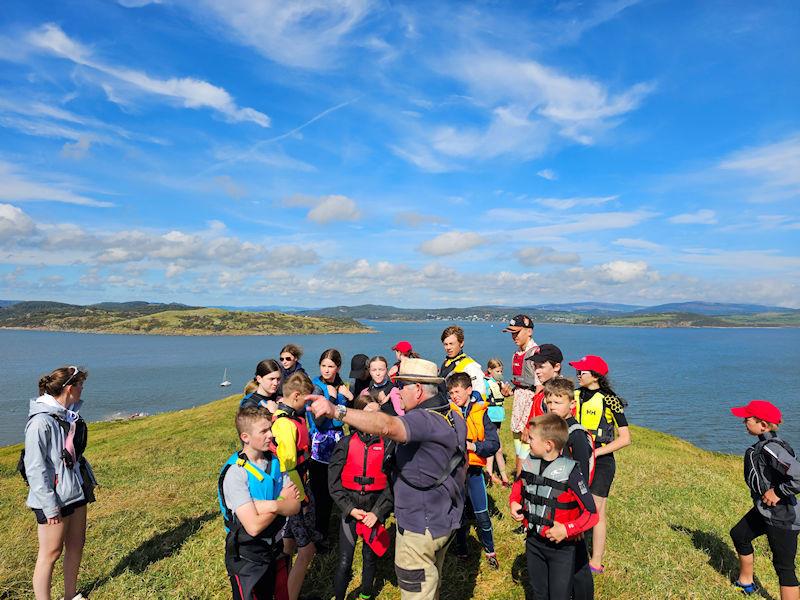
x: 431, y: 444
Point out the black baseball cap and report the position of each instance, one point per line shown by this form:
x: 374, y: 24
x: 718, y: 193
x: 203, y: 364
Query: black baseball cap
x: 518, y: 323
x: 358, y: 366
x: 547, y: 353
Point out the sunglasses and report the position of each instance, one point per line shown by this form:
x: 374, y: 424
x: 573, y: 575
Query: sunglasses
x: 399, y: 384
x: 287, y: 358
x: 75, y: 371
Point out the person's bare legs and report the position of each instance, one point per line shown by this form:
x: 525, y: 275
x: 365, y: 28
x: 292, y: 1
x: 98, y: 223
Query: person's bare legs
x: 74, y: 540
x: 790, y: 592
x: 51, y: 541
x: 746, y: 562
x: 501, y: 465
x: 599, y: 534
x: 297, y: 574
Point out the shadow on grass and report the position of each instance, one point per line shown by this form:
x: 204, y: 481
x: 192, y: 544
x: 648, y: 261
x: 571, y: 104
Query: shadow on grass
x: 519, y: 574
x: 158, y: 547
x: 720, y: 556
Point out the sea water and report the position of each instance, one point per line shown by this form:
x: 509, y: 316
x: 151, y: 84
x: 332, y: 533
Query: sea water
x: 680, y: 381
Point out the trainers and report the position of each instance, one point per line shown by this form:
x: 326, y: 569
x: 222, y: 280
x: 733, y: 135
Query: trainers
x: 749, y: 588
x: 491, y: 559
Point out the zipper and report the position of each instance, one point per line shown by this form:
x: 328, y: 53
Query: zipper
x: 364, y: 474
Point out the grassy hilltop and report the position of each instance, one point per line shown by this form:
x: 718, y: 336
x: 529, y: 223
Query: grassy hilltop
x: 156, y: 532
x: 167, y: 319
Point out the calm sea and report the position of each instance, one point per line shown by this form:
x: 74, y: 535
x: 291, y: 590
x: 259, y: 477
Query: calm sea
x: 680, y: 381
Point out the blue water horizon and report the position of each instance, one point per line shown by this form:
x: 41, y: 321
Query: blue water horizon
x: 681, y: 381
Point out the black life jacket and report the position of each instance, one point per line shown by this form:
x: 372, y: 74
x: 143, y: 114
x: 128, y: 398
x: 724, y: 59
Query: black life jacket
x: 541, y: 490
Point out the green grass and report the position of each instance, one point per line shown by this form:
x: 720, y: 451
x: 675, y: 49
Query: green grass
x: 155, y: 530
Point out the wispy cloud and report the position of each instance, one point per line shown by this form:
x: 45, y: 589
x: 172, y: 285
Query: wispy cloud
x: 416, y: 219
x: 302, y: 33
x: 535, y: 256
x: 775, y: 167
x: 638, y: 244
x: 548, y: 174
x: 186, y: 91
x: 17, y: 187
x: 569, y: 203
x: 703, y: 216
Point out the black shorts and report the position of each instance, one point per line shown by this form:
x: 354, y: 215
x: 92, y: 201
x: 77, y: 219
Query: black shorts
x: 64, y: 511
x: 604, y: 468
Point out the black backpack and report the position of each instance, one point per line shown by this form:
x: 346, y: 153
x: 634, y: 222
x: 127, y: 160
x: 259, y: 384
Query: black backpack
x: 80, y: 440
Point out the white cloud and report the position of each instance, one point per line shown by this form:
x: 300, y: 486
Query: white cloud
x: 534, y: 256
x: 14, y: 223
x: 301, y: 33
x: 548, y: 174
x: 637, y: 244
x: 415, y: 219
x: 776, y: 167
x: 326, y: 209
x: 452, y: 242
x: 569, y: 203
x: 19, y: 188
x: 78, y: 150
x: 187, y: 91
x: 703, y: 216
x: 137, y: 3
x: 623, y: 271
x: 575, y: 223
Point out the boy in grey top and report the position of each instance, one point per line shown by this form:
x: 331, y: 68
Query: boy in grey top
x: 429, y: 484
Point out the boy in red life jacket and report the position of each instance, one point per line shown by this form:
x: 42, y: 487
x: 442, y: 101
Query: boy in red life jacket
x: 482, y: 442
x: 559, y: 394
x: 552, y: 499
x: 292, y: 449
x: 359, y: 485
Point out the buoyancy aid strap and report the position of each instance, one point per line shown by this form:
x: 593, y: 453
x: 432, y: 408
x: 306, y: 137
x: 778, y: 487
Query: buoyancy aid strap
x: 533, y: 479
x: 253, y: 471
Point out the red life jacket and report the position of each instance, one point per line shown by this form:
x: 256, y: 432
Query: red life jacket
x: 363, y: 468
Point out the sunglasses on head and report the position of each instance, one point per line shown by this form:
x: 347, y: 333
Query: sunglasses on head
x: 75, y: 371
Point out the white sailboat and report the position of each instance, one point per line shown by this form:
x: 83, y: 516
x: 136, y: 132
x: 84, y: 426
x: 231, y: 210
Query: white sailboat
x: 225, y: 382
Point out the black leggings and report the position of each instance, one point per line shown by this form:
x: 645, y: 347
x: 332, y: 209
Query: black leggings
x: 782, y: 542
x: 323, y: 503
x: 583, y: 584
x: 551, y: 568
x: 347, y: 547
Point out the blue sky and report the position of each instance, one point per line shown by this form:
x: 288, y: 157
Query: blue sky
x: 317, y: 152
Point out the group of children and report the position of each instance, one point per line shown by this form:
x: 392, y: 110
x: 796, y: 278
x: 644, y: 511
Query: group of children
x: 277, y: 491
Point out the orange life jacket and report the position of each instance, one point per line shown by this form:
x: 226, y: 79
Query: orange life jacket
x: 475, y: 430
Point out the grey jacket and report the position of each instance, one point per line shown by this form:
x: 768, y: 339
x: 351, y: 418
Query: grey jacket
x: 52, y: 483
x: 771, y: 463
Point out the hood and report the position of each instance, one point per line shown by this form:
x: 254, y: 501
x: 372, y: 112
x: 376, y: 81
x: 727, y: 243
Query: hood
x: 41, y: 405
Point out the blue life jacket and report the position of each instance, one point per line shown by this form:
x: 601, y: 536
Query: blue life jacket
x: 325, y: 424
x: 263, y: 486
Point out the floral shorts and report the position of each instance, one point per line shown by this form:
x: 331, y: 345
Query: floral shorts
x: 300, y: 527
x: 323, y: 442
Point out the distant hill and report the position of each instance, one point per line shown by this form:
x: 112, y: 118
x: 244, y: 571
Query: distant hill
x: 588, y: 313
x: 713, y: 308
x: 165, y: 319
x: 266, y: 308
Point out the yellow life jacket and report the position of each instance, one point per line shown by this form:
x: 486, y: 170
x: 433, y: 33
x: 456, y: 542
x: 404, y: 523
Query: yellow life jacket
x: 595, y: 415
x: 475, y: 430
x: 459, y: 364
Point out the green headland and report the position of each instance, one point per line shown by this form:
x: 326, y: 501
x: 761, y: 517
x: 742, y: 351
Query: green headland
x: 155, y: 530
x: 167, y: 319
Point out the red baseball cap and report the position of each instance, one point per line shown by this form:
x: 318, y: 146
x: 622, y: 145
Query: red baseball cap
x: 591, y: 363
x: 760, y: 409
x: 402, y: 346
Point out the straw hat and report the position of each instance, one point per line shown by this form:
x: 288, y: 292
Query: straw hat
x: 419, y: 370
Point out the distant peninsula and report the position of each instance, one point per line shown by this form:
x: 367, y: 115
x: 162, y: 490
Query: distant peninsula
x: 685, y: 314
x: 167, y: 319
